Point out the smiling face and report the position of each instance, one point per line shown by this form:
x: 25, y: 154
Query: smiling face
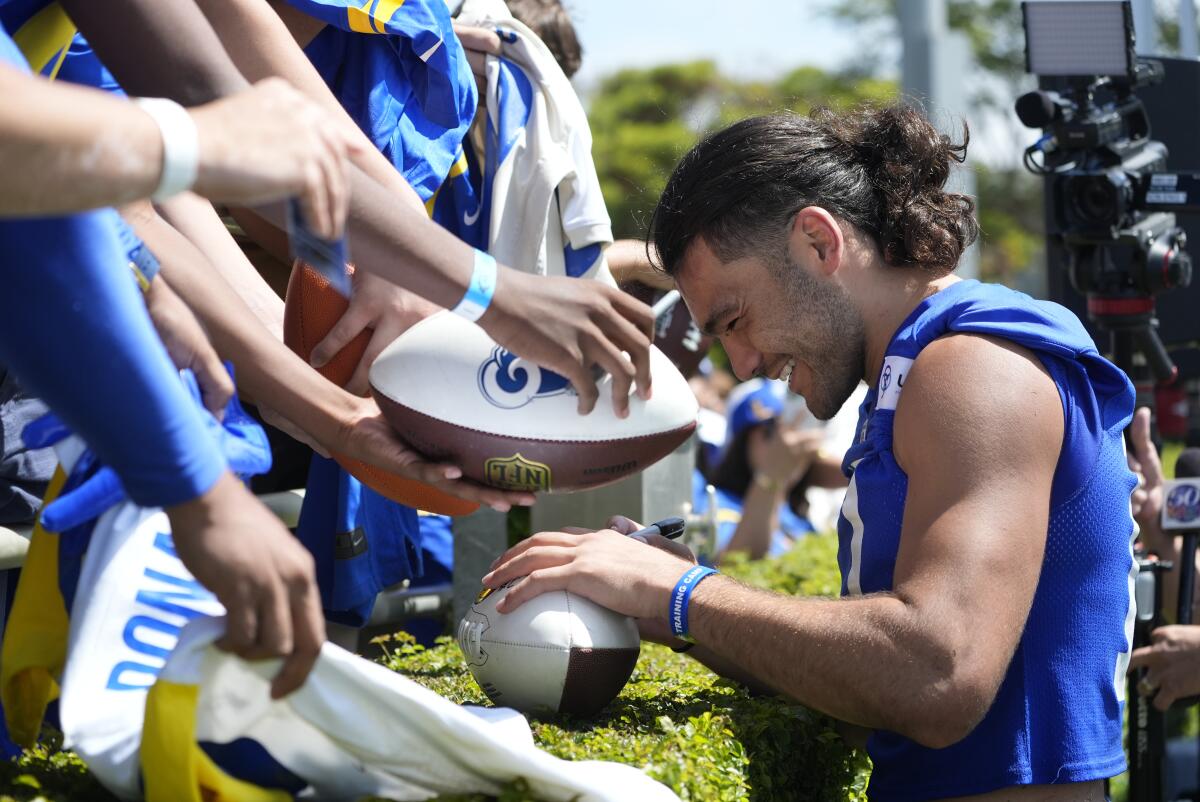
x: 782, y: 320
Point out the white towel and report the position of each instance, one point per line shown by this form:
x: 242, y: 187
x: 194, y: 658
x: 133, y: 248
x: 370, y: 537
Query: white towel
x: 546, y: 195
x: 357, y: 729
x: 141, y: 692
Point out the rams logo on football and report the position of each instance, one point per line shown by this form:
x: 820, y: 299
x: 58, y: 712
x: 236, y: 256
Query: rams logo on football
x: 509, y: 382
x: 517, y: 473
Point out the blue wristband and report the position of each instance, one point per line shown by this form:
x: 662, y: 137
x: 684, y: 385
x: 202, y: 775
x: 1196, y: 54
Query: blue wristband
x: 682, y: 595
x: 483, y: 284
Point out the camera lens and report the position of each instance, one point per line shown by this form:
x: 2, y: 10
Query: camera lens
x: 1096, y: 201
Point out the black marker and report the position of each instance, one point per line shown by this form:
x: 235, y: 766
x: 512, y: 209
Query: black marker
x: 670, y: 528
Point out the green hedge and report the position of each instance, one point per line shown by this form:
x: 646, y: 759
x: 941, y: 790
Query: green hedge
x: 705, y: 737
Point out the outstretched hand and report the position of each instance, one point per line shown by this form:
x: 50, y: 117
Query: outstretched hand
x: 568, y: 325
x: 271, y: 142
x: 378, y: 306
x: 367, y: 436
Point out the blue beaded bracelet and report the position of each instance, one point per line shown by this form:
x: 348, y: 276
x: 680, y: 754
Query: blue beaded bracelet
x: 677, y: 614
x: 479, y: 293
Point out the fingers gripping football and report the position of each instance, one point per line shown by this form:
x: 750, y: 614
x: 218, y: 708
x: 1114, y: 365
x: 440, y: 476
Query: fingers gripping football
x: 615, y: 571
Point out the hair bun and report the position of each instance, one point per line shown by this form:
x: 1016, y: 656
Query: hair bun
x: 908, y: 162
x: 882, y: 171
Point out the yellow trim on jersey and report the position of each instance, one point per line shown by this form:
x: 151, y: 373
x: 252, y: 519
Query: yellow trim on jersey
x: 46, y: 37
x: 384, y: 12
x: 359, y: 17
x: 364, y: 19
x: 35, y: 639
x: 458, y: 168
x: 174, y: 767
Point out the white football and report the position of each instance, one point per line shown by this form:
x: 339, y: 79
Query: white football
x: 556, y: 653
x: 454, y: 395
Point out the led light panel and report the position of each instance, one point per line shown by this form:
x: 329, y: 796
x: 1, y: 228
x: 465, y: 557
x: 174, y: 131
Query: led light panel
x: 1078, y: 37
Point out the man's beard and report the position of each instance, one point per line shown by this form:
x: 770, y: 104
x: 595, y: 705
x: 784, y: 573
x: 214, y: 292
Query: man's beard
x: 835, y: 346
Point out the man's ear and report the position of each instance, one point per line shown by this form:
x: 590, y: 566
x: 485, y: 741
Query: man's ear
x: 816, y: 238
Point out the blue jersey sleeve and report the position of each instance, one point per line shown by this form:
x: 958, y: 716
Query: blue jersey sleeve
x: 74, y: 329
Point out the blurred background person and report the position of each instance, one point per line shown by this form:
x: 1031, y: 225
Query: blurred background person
x: 769, y: 460
x: 1173, y: 655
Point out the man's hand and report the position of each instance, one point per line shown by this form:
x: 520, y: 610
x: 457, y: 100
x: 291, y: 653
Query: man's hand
x: 1147, y: 498
x: 569, y: 324
x: 271, y: 142
x: 375, y: 304
x: 655, y: 630
x: 624, y: 574
x: 1172, y: 661
x: 241, y: 552
x: 188, y: 346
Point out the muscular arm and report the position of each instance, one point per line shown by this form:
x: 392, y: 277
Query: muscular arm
x: 978, y: 433
x: 927, y: 658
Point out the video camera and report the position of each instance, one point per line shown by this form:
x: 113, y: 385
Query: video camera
x: 1112, y: 201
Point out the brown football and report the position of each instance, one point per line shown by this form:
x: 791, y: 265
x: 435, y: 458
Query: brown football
x: 675, y: 332
x: 311, y: 310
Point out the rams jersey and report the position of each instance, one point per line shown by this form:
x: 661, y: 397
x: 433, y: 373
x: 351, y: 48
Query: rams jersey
x: 1057, y: 716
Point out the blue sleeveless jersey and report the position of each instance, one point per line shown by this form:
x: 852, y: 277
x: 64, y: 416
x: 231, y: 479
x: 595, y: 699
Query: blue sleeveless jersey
x: 1057, y: 716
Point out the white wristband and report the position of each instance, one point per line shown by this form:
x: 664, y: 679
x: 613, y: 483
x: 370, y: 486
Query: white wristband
x: 478, y: 296
x: 181, y: 145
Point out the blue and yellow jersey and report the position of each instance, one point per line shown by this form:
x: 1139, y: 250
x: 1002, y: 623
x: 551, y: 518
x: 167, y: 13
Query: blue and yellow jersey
x: 401, y: 74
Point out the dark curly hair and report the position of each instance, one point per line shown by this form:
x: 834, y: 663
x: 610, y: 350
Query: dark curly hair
x: 882, y: 169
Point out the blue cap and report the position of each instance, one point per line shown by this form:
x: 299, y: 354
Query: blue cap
x: 751, y: 403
